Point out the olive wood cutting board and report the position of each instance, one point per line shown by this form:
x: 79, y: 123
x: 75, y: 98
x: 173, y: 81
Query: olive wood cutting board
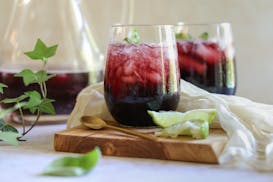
x: 114, y: 143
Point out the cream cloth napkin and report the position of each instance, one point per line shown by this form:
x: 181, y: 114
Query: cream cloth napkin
x: 249, y: 125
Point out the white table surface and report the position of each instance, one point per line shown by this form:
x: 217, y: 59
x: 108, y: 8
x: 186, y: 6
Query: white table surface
x: 27, y: 161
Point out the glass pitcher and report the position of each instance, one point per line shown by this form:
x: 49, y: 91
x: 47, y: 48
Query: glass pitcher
x: 78, y: 61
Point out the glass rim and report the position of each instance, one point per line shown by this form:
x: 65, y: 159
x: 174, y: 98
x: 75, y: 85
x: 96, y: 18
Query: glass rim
x: 202, y: 24
x: 142, y: 25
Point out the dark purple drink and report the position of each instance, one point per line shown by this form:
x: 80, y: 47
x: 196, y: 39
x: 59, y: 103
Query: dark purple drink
x: 206, y: 65
x: 139, y: 78
x: 63, y: 88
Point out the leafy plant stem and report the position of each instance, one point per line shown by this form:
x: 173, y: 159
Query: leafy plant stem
x: 33, y: 124
x: 23, y: 119
x: 45, y: 90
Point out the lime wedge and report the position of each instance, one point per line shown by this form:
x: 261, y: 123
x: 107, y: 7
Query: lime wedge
x: 196, y: 129
x: 166, y: 119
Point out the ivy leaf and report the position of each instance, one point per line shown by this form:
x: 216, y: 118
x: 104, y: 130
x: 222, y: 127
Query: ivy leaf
x: 14, y: 100
x: 42, y: 76
x: 28, y: 76
x: 2, y: 123
x: 41, y: 51
x: 2, y: 86
x: 34, y: 99
x: 204, y: 36
x: 9, y: 128
x: 183, y: 36
x: 133, y: 37
x: 10, y: 137
x: 74, y: 166
x: 47, y: 107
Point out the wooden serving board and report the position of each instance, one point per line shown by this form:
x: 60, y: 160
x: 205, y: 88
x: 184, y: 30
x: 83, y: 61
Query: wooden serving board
x: 114, y: 143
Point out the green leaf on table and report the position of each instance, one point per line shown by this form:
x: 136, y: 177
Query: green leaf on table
x: 10, y: 137
x: 73, y: 166
x: 41, y: 51
x: 133, y: 37
x: 28, y: 76
x: 204, y: 36
x: 47, y: 107
x: 2, y: 86
x: 183, y: 36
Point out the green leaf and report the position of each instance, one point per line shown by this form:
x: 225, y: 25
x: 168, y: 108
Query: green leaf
x: 42, y: 76
x: 10, y: 137
x: 14, y: 100
x: 28, y: 76
x: 133, y: 37
x: 183, y: 36
x: 204, y: 36
x: 47, y: 107
x: 41, y: 51
x: 2, y: 123
x: 2, y: 86
x: 74, y: 166
x: 34, y: 99
x: 10, y: 128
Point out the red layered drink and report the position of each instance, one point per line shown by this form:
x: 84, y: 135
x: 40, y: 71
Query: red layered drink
x: 139, y: 77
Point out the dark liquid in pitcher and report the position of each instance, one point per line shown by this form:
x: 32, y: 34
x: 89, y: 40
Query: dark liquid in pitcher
x: 63, y: 88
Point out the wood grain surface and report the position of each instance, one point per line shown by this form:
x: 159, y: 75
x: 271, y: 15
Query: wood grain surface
x: 114, y: 143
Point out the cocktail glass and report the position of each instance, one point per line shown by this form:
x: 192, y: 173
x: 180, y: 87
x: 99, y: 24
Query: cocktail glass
x: 141, y: 73
x: 206, y: 56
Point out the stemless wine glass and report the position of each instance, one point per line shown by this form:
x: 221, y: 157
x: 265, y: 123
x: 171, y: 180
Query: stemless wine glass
x: 141, y: 72
x: 206, y: 56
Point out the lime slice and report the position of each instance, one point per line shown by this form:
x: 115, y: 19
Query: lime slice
x: 166, y: 119
x: 196, y: 129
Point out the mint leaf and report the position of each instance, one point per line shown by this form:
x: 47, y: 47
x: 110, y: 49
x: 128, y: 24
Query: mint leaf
x: 10, y: 137
x: 73, y: 166
x: 47, y: 107
x: 41, y: 51
x: 133, y: 37
x: 28, y: 76
x: 204, y: 36
x: 183, y: 36
x: 2, y: 86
